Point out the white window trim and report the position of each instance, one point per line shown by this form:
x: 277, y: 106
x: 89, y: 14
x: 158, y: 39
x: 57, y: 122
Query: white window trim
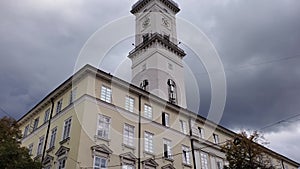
x: 40, y: 147
x: 51, y: 137
x: 169, y: 148
x: 59, y: 106
x: 167, y: 119
x: 149, y: 142
x: 129, y: 103
x: 127, y: 139
x: 73, y: 94
x: 216, y: 138
x: 63, y: 131
x: 98, y: 124
x: 107, y: 95
x: 186, y: 159
x: 46, y: 115
x: 148, y: 113
x: 204, y: 161
x: 183, y: 126
x: 101, y: 158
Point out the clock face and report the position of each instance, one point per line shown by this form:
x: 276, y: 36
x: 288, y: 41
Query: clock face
x: 146, y: 22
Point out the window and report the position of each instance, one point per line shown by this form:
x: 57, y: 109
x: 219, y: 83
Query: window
x: 53, y: 137
x: 129, y: 103
x: 183, y: 126
x: 172, y: 91
x: 128, y: 134
x: 127, y: 167
x: 40, y: 146
x: 204, y: 160
x: 30, y: 147
x: 148, y: 111
x: 26, y: 131
x: 46, y: 117
x: 36, y: 123
x: 165, y: 119
x: 219, y: 165
x: 99, y: 163
x: 73, y: 95
x: 67, y: 128
x: 148, y: 142
x: 216, y: 138
x: 103, y: 126
x: 144, y: 84
x: 185, y: 155
x: 167, y: 149
x: 201, y: 132
x: 105, y: 94
x: 62, y: 163
x: 59, y: 106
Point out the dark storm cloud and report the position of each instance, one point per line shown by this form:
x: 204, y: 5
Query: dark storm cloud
x: 40, y: 41
x: 253, y: 39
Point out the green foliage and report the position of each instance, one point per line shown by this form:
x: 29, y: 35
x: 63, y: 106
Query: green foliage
x: 245, y: 153
x: 12, y: 155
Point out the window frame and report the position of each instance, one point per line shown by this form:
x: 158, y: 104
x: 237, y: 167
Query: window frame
x: 148, y: 113
x: 73, y: 94
x: 39, y: 150
x: 103, y: 124
x: 67, y: 128
x: 35, y: 123
x: 30, y: 149
x: 186, y: 159
x: 148, y: 142
x: 106, y: 94
x: 53, y: 137
x: 204, y: 160
x: 216, y: 138
x: 59, y: 106
x: 26, y: 131
x: 64, y: 160
x: 201, y: 132
x: 100, y: 160
x: 47, y: 114
x: 167, y: 150
x: 129, y: 103
x: 183, y: 126
x: 165, y: 119
x: 128, y: 135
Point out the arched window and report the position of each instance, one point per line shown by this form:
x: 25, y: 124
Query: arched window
x: 172, y: 91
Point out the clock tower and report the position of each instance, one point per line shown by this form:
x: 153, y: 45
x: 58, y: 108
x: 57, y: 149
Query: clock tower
x: 157, y: 64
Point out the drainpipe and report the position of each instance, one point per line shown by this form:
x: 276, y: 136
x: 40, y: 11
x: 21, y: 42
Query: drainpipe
x: 192, y: 144
x: 139, y: 134
x: 48, y: 129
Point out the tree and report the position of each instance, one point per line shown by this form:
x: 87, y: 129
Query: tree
x: 12, y: 155
x: 244, y: 152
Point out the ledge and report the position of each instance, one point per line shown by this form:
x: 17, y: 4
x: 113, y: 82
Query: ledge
x: 50, y: 149
x: 128, y: 146
x: 64, y: 140
x: 187, y: 165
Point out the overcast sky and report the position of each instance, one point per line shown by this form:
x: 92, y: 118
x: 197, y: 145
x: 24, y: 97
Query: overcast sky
x: 258, y: 43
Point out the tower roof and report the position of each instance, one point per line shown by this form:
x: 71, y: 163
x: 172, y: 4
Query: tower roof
x: 141, y: 3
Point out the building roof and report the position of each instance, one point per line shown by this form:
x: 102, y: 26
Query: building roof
x: 88, y: 69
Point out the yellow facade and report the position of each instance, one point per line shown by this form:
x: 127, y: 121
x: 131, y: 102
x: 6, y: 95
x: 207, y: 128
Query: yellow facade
x: 83, y: 144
